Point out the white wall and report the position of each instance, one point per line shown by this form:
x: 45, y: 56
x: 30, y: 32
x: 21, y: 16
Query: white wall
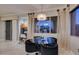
x: 2, y: 30
x: 14, y: 27
x: 74, y: 42
x: 14, y: 30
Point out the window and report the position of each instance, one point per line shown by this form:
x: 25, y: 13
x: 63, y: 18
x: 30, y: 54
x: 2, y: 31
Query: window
x: 23, y: 25
x: 75, y: 21
x: 46, y: 26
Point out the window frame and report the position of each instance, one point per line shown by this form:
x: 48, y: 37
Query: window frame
x: 71, y: 22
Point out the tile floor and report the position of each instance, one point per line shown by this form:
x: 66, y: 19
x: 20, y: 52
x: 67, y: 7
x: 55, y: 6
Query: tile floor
x: 9, y: 48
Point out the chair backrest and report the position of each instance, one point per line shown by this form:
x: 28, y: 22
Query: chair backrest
x: 55, y: 39
x: 29, y: 46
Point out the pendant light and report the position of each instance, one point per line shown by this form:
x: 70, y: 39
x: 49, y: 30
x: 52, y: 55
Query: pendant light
x: 41, y: 16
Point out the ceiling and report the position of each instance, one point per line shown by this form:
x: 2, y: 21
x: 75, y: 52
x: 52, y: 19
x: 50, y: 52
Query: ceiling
x: 25, y: 8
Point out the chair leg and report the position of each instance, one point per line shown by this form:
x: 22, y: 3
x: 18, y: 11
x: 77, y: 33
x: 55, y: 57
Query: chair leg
x: 36, y: 53
x: 27, y: 54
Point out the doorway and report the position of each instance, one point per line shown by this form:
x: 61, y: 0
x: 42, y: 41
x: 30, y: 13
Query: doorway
x: 8, y: 29
x: 23, y: 29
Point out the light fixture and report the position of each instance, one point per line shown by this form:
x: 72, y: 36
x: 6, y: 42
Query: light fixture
x: 41, y: 16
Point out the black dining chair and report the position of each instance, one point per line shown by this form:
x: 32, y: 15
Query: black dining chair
x: 31, y: 47
x: 50, y: 49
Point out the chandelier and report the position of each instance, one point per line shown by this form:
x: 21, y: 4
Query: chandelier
x: 41, y: 16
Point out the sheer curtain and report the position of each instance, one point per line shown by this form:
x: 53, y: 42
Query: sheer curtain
x: 63, y: 29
